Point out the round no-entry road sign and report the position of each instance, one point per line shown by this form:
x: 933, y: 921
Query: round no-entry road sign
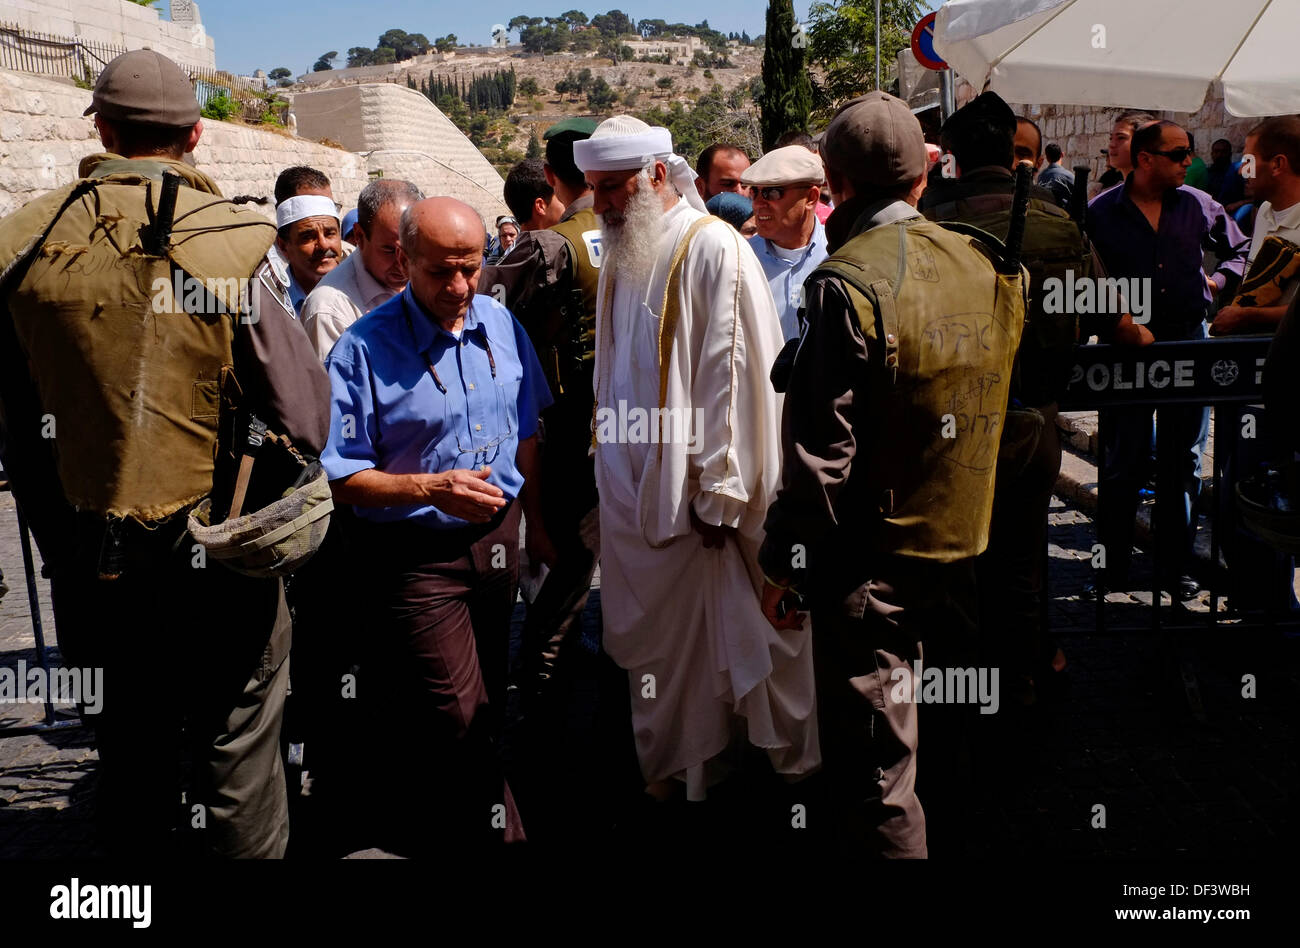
x: 923, y: 44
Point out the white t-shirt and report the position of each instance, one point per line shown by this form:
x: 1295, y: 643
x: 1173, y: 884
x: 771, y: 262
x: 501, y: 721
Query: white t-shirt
x: 1285, y: 224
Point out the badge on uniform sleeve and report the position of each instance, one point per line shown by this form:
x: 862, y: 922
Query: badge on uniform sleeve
x: 592, y: 239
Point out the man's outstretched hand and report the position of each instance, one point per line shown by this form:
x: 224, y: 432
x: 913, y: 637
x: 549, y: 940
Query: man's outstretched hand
x: 465, y: 494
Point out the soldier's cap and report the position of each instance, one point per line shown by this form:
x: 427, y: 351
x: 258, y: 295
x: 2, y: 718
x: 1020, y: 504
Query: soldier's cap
x: 147, y: 88
x: 580, y: 127
x: 877, y: 141
x: 793, y: 164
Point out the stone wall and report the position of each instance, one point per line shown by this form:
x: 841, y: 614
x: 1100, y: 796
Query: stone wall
x: 403, y: 135
x: 382, y: 73
x: 43, y: 137
x: 117, y: 23
x: 1083, y: 131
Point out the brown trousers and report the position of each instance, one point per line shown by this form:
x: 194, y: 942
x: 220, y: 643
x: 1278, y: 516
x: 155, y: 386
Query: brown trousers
x: 436, y: 667
x: 870, y: 743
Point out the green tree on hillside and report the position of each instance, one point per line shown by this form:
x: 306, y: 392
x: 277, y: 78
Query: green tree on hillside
x: 325, y: 62
x: 613, y: 23
x: 787, y: 91
x: 404, y: 45
x: 601, y: 96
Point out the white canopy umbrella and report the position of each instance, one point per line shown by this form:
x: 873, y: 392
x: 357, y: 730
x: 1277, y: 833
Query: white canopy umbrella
x: 1160, y: 54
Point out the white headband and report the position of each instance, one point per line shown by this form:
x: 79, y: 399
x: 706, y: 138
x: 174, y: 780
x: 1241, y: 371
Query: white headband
x: 303, y: 206
x: 631, y: 152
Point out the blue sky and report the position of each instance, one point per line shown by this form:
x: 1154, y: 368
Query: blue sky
x: 257, y: 34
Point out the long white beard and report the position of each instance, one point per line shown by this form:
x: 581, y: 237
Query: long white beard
x: 632, y: 243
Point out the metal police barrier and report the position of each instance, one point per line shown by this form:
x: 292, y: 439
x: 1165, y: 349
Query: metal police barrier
x: 52, y: 719
x: 1199, y: 372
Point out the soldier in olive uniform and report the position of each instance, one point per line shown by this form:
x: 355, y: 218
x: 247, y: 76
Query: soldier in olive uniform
x: 890, y: 436
x: 549, y: 284
x: 122, y: 340
x: 981, y: 136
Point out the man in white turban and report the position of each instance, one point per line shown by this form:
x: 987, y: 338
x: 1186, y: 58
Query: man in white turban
x: 687, y: 462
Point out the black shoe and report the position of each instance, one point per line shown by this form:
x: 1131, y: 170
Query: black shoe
x: 1187, y: 588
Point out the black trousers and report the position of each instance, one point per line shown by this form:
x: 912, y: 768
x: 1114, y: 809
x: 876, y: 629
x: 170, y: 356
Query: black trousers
x: 1011, y: 570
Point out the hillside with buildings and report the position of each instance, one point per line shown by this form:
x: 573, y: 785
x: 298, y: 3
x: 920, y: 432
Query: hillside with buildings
x: 665, y: 74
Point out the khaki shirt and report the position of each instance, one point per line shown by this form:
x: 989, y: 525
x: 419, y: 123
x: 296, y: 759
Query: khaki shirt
x: 343, y: 296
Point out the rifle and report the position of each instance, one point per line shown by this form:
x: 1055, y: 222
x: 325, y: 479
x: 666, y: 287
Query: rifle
x: 1019, y: 209
x: 1079, y: 195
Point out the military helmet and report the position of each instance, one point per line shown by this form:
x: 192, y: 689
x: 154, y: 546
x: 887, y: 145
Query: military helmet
x: 274, y: 540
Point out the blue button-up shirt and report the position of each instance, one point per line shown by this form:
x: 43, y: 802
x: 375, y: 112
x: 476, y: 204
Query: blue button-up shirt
x: 297, y: 295
x: 1171, y: 258
x: 786, y: 277
x: 388, y: 412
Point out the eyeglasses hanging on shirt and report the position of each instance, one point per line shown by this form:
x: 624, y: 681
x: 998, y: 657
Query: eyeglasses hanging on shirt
x: 481, y: 452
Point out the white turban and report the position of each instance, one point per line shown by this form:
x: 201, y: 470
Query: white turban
x: 624, y: 143
x: 303, y: 206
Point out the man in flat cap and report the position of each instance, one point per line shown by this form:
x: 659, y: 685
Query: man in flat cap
x: 890, y: 437
x: 791, y: 241
x: 686, y: 464
x: 134, y: 435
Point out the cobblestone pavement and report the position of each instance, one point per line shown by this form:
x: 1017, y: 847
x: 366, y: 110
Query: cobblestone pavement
x: 1117, y: 732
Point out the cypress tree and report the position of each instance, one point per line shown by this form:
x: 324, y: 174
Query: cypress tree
x: 787, y: 91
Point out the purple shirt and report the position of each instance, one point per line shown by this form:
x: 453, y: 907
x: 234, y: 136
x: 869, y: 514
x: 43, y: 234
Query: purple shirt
x: 1171, y: 258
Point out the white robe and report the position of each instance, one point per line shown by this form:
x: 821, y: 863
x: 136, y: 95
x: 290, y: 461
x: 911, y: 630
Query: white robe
x: 686, y: 615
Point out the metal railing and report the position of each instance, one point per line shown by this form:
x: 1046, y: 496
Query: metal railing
x: 1220, y: 373
x: 24, y: 50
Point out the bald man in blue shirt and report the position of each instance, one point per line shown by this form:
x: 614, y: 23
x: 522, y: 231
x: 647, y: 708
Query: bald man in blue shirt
x: 436, y: 396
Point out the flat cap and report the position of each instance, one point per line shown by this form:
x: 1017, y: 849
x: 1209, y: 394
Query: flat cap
x: 877, y: 141
x: 578, y: 126
x: 145, y: 87
x: 792, y: 164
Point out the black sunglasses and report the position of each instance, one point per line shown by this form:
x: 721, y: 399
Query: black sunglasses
x: 775, y: 192
x: 1175, y: 154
